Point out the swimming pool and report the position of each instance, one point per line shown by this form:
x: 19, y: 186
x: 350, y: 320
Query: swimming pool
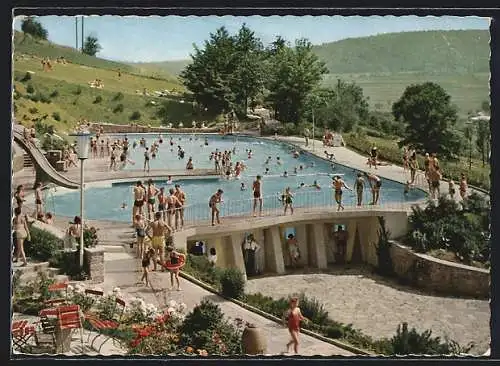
x: 105, y: 201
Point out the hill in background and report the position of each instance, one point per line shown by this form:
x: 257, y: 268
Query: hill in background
x: 170, y: 67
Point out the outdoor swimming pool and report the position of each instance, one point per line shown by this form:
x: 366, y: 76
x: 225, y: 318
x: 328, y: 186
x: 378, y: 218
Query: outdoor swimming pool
x: 105, y: 201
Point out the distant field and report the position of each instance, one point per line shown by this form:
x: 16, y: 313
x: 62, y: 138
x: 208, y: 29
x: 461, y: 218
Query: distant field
x: 467, y: 91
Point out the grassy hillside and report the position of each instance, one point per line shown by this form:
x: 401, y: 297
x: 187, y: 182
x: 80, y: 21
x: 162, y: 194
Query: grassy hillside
x: 170, y: 67
x: 62, y: 97
x: 467, y: 91
x: 25, y: 44
x: 430, y: 52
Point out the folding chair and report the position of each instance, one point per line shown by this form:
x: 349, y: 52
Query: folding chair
x: 107, y: 328
x: 47, y: 336
x: 56, y: 289
x: 69, y: 317
x: 22, y: 331
x: 94, y: 295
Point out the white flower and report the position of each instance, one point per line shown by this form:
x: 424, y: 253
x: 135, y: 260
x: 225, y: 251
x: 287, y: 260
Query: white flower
x: 79, y: 289
x: 70, y: 288
x: 116, y: 290
x: 181, y: 307
x: 172, y: 304
x: 170, y: 310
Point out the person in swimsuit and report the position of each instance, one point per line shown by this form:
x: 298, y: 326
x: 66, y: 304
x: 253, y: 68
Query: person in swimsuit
x: 173, y: 258
x: 413, y: 165
x: 463, y: 186
x: 151, y: 191
x: 375, y: 184
x: 139, y: 195
x: 435, y: 182
x: 146, y: 159
x: 160, y: 230
x: 374, y: 157
x: 172, y: 204
x: 257, y: 195
x: 181, y: 197
x: 162, y: 202
x: 405, y: 159
x: 75, y: 230
x: 292, y: 319
x: 189, y: 165
x: 338, y: 184
x: 112, y: 157
x: 49, y: 218
x: 22, y: 233
x: 214, y: 203
x: 19, y: 196
x: 140, y: 231
x: 359, y: 186
x: 293, y: 250
x: 427, y: 169
x: 146, y: 262
x: 288, y: 200
x: 38, y: 198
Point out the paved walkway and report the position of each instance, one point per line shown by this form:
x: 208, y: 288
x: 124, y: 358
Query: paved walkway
x: 376, y: 306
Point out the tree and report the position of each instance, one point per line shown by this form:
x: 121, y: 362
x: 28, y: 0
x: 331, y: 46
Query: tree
x: 485, y: 106
x: 34, y: 28
x: 293, y: 73
x: 429, y: 117
x: 91, y: 46
x: 483, y: 139
x: 340, y: 108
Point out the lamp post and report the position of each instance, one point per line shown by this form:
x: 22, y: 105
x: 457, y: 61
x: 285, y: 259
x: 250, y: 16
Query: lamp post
x: 82, y: 142
x: 313, y: 127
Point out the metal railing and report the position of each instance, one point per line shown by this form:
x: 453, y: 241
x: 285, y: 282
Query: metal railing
x: 307, y: 200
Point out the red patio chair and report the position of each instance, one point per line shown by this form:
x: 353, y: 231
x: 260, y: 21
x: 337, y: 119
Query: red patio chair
x: 69, y: 317
x: 107, y: 327
x: 56, y: 289
x: 22, y: 331
x: 47, y: 336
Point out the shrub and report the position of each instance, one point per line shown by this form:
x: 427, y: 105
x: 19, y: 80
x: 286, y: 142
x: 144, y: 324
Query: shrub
x: 90, y: 237
x: 34, y: 97
x: 232, y: 283
x: 69, y: 264
x: 135, y: 116
x: 313, y: 310
x: 118, y: 108
x: 43, y: 98
x: 30, y: 89
x: 78, y: 91
x: 54, y: 94
x: 42, y: 245
x: 33, y: 110
x: 97, y: 99
x: 27, y: 77
x: 30, y: 298
x: 118, y: 96
x: 56, y: 116
x: 200, y: 267
x: 383, y: 249
x: 205, y: 316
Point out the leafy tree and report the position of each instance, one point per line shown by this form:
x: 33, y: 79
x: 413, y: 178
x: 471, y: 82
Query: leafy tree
x: 294, y: 72
x: 339, y: 109
x: 91, y: 46
x: 34, y: 28
x: 485, y: 106
x: 429, y: 117
x: 483, y: 139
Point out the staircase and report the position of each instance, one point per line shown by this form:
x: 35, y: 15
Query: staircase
x: 27, y: 161
x: 30, y: 272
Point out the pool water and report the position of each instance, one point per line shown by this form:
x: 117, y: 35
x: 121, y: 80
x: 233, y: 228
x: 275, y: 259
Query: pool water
x: 105, y: 202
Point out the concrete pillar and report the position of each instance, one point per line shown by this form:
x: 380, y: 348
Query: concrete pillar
x: 368, y: 237
x: 232, y: 246
x: 284, y: 248
x: 317, y: 246
x: 301, y: 235
x: 351, y: 232
x: 273, y: 250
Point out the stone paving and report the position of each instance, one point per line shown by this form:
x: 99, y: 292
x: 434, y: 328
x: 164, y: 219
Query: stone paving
x: 376, y: 306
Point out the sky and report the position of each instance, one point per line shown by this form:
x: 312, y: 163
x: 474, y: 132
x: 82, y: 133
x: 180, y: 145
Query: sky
x: 150, y: 39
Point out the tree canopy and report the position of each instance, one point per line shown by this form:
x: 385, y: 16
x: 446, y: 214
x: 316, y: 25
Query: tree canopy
x: 34, y: 28
x: 429, y: 117
x: 91, y: 46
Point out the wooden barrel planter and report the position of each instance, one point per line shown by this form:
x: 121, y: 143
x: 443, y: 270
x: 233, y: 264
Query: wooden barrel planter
x: 253, y: 341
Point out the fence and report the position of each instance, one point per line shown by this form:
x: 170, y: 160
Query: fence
x: 273, y: 205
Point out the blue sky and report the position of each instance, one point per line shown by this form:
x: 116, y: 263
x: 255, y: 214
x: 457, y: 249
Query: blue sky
x: 147, y: 39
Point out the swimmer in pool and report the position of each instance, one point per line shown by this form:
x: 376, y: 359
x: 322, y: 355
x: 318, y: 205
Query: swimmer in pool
x: 278, y: 161
x: 315, y: 185
x: 243, y: 187
x: 295, y: 170
x: 302, y: 185
x: 267, y: 171
x: 268, y: 160
x: 123, y: 206
x: 285, y: 174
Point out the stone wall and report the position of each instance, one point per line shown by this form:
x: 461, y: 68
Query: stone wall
x: 94, y: 262
x: 437, y: 275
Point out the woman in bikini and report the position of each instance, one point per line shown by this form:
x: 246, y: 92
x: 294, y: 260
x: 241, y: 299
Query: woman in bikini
x: 292, y: 318
x: 22, y: 233
x: 19, y: 196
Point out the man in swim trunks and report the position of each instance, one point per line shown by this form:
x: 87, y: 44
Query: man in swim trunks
x: 214, y: 204
x: 139, y: 195
x: 162, y: 202
x: 257, y: 195
x: 151, y: 192
x: 146, y: 159
x: 38, y: 198
x: 172, y: 203
x: 338, y: 184
x: 181, y: 196
x: 359, y: 186
x: 375, y: 183
x: 160, y: 230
